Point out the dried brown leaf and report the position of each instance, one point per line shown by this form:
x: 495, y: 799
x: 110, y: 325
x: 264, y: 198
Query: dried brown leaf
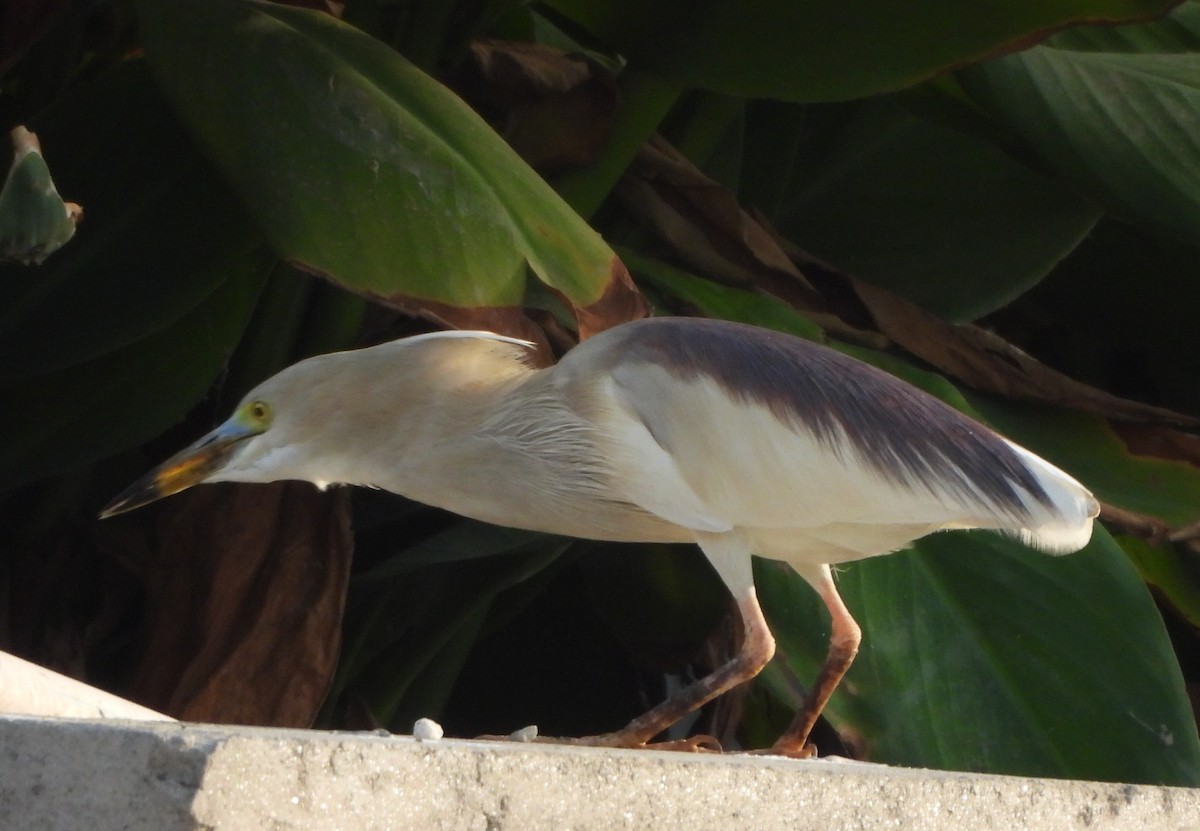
x: 1160, y: 442
x: 555, y: 109
x: 620, y: 303
x: 704, y: 224
x: 985, y: 361
x: 841, y: 312
x: 244, y: 603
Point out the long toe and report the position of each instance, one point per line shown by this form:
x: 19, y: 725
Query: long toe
x: 791, y: 750
x: 692, y: 744
x: 628, y: 740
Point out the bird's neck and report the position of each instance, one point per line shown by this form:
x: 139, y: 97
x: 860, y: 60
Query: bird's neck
x: 432, y: 433
x: 476, y: 446
x: 480, y: 433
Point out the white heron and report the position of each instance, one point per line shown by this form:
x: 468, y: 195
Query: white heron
x: 742, y: 440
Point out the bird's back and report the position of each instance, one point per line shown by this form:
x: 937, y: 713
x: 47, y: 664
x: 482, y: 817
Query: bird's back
x: 717, y: 425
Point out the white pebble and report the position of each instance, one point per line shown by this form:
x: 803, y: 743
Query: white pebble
x: 525, y: 734
x: 426, y: 729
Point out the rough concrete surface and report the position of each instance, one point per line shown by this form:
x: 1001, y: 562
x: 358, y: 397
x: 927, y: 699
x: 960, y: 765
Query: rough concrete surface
x: 98, y: 775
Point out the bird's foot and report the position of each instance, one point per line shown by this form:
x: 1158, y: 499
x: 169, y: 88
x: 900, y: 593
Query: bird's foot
x: 804, y: 750
x: 631, y: 740
x: 702, y: 743
x: 692, y: 744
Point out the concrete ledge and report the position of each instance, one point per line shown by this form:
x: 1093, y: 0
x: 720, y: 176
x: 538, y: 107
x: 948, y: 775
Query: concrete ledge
x: 32, y: 690
x: 97, y: 775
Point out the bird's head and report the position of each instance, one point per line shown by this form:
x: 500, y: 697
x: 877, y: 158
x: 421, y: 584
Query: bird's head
x: 280, y: 430
x: 340, y: 418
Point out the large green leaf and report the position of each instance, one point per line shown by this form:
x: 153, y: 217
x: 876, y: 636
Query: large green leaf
x: 979, y: 654
x: 817, y: 50
x: 1179, y: 32
x: 1162, y: 567
x: 724, y: 302
x: 360, y: 167
x: 1121, y: 123
x: 1087, y: 447
x: 941, y: 216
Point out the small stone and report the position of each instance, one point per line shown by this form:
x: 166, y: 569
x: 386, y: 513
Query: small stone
x: 426, y: 729
x: 525, y: 734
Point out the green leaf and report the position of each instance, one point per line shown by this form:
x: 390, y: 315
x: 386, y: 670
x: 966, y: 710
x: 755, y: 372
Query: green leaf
x: 1088, y: 448
x: 1162, y: 567
x: 975, y: 647
x: 1180, y: 32
x: 1121, y: 125
x: 34, y: 220
x: 656, y: 598
x: 938, y: 215
x: 358, y: 166
x: 722, y: 302
x: 389, y: 582
x: 810, y: 50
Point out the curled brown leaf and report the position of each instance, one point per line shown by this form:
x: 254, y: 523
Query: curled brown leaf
x: 556, y: 109
x: 704, y: 224
x: 985, y: 361
x: 245, y: 593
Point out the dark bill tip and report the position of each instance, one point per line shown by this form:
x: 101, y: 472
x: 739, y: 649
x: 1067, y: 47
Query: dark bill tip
x: 142, y: 492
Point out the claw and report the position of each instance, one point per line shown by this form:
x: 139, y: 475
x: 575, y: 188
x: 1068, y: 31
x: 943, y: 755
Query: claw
x: 805, y: 751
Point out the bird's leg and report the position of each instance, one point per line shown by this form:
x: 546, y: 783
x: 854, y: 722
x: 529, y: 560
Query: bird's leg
x: 843, y: 646
x: 756, y: 650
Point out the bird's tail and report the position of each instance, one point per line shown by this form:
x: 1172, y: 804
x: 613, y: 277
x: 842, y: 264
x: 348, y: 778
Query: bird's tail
x: 1065, y: 524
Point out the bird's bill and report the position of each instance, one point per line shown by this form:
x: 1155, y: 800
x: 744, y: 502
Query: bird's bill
x: 188, y: 467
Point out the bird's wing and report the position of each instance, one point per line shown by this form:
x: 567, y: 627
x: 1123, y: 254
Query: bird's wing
x: 688, y: 446
x: 749, y: 429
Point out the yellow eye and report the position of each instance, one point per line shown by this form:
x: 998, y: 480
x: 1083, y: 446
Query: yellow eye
x: 259, y: 412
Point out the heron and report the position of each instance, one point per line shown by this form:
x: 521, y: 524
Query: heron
x: 742, y: 440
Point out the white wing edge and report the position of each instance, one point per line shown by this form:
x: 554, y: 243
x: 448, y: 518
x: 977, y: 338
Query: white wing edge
x: 1067, y: 527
